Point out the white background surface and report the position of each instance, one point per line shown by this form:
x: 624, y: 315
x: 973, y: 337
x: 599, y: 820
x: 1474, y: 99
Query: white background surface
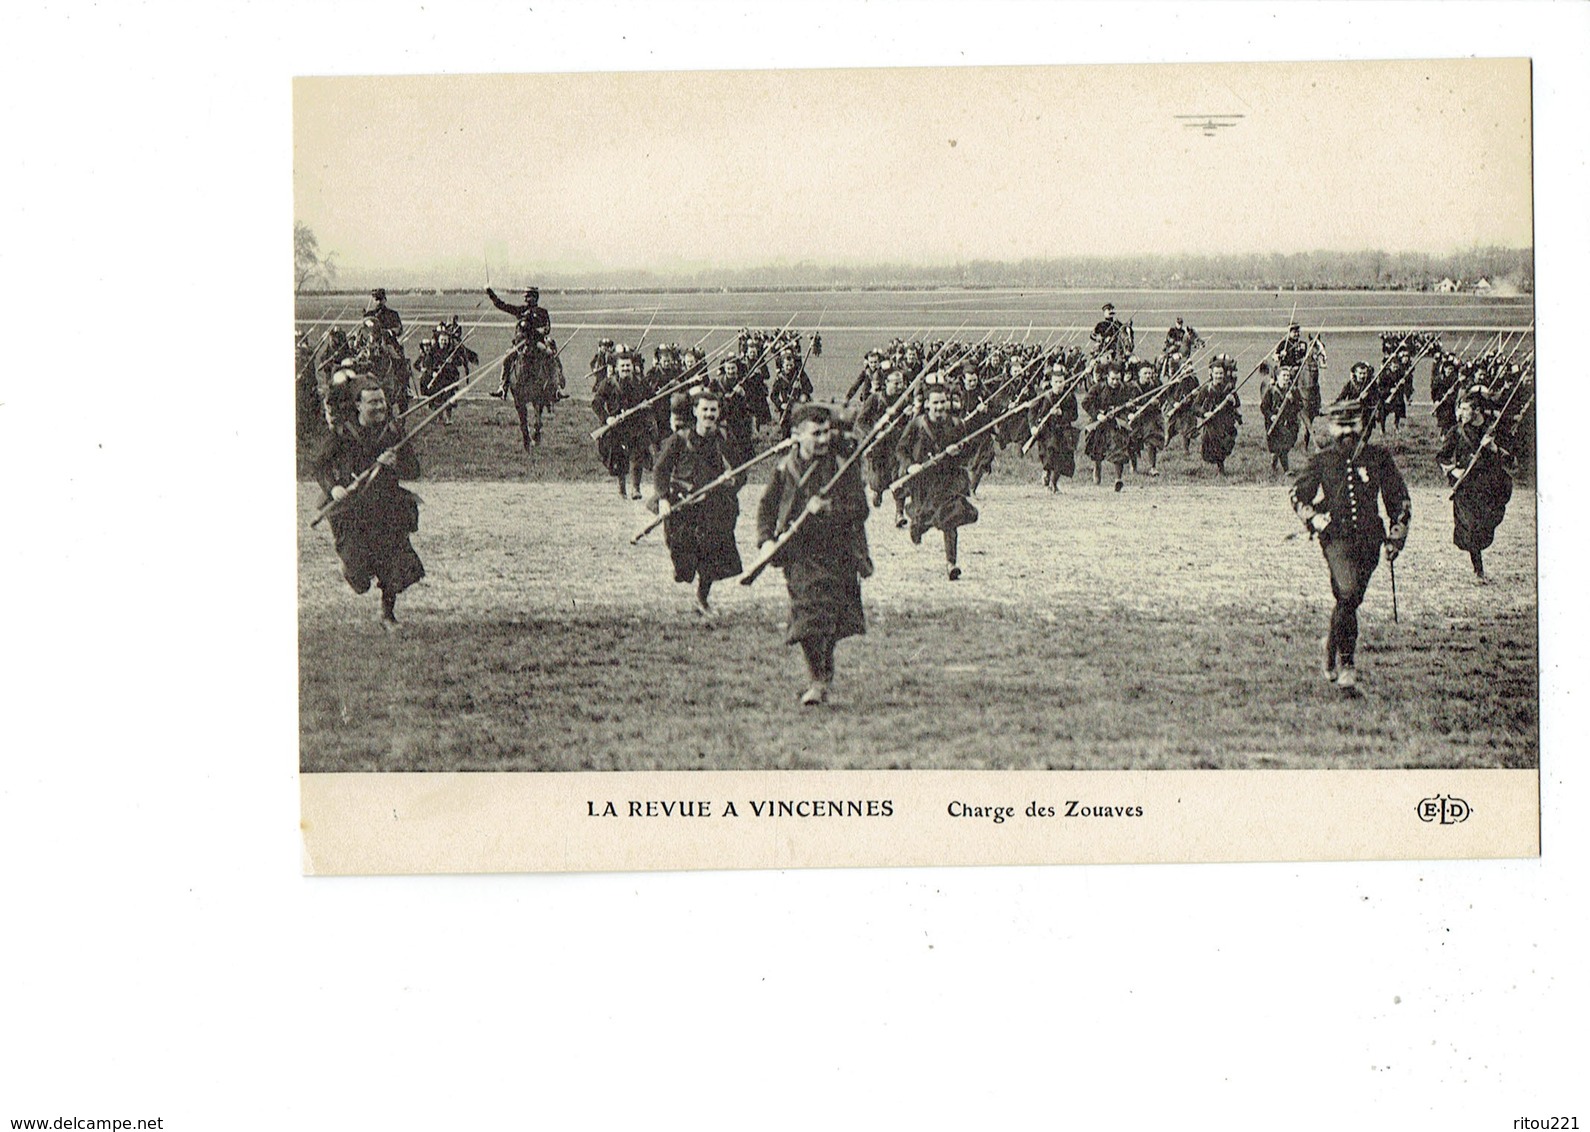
x: 164, y: 958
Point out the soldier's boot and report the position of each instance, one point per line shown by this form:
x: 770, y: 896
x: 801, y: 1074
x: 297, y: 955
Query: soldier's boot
x: 951, y: 552
x: 1098, y: 473
x: 389, y: 620
x: 1478, y: 560
x: 1330, y: 658
x: 1286, y: 465
x: 816, y: 693
x: 1347, y: 677
x: 1153, y: 462
x: 623, y: 488
x: 1120, y: 475
x: 1220, y: 466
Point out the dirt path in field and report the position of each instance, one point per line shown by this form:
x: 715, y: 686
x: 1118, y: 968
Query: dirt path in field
x: 494, y: 550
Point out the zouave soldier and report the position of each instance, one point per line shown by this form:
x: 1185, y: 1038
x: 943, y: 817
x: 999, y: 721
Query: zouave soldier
x: 371, y: 529
x: 1056, y: 435
x: 602, y: 361
x: 940, y: 496
x: 1219, y: 413
x: 700, y: 537
x: 976, y: 410
x: 866, y: 380
x: 1363, y: 388
x: 1307, y: 356
x: 625, y: 449
x: 1147, y: 432
x: 1445, y: 377
x: 879, y: 462
x: 790, y: 387
x: 1480, y: 471
x: 1282, y: 409
x: 1107, y: 439
x: 738, y: 417
x: 1338, y: 497
x: 1183, y: 417
x: 825, y: 561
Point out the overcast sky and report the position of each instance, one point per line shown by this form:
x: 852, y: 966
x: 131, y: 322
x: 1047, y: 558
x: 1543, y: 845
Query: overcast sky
x: 609, y: 172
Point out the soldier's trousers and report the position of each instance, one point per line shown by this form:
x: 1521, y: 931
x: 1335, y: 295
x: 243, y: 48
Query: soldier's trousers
x: 1352, y: 563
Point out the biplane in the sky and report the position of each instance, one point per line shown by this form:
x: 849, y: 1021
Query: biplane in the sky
x: 1209, y: 123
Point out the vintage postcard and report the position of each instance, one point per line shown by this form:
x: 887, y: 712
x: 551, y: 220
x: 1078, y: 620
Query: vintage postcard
x: 946, y: 465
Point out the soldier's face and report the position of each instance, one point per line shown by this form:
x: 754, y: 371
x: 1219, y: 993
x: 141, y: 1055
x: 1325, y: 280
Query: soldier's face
x: 372, y: 408
x: 813, y: 437
x: 626, y: 368
x: 894, y: 384
x: 706, y: 411
x: 1057, y: 381
x: 938, y: 406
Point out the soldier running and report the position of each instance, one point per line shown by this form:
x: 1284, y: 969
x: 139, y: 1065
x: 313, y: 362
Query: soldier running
x: 940, y: 496
x: 1479, y: 471
x: 1338, y: 497
x: 700, y: 537
x: 825, y: 561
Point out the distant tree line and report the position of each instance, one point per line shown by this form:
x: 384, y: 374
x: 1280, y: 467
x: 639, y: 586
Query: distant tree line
x: 1304, y: 271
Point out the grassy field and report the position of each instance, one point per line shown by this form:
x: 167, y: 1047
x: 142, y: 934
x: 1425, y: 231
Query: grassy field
x: 1173, y: 625
x: 1168, y: 626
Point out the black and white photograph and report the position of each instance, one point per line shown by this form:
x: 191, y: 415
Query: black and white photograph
x: 874, y: 564
x: 850, y: 419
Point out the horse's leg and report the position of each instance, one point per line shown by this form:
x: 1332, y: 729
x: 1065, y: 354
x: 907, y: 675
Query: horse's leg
x: 524, y: 421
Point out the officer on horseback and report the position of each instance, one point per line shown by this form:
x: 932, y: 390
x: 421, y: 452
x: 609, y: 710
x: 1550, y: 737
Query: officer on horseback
x: 533, y: 326
x: 385, y: 317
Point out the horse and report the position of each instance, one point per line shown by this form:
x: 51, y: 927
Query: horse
x: 534, y: 379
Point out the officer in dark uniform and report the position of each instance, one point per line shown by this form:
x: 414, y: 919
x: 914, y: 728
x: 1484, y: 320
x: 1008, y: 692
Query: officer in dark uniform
x: 1338, y: 497
x: 385, y: 317
x: 1183, y: 338
x: 533, y: 325
x: 1111, y: 336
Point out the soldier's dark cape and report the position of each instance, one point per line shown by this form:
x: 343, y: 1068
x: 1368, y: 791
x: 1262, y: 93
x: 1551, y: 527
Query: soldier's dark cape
x: 820, y: 562
x: 701, y: 537
x: 939, y: 496
x: 1480, y: 502
x: 371, y: 530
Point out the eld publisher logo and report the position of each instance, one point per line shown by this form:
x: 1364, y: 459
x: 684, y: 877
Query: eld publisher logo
x: 1444, y: 809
